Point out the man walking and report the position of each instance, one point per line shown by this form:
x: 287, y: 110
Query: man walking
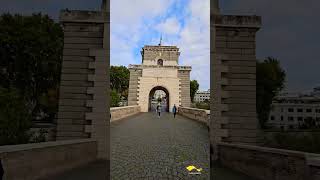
x: 158, y: 110
x: 174, y: 110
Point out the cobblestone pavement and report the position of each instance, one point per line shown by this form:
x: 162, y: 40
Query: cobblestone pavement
x: 148, y: 147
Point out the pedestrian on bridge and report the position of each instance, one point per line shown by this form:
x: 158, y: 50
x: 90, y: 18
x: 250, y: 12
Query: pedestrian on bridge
x: 158, y: 110
x: 174, y: 110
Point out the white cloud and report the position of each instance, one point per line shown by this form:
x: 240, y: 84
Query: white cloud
x: 195, y: 42
x: 169, y: 26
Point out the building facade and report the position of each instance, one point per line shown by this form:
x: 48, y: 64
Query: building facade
x: 202, y: 96
x: 294, y: 111
x: 159, y: 71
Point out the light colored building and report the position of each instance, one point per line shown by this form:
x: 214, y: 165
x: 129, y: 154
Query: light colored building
x: 159, y: 71
x: 202, y: 96
x: 292, y: 111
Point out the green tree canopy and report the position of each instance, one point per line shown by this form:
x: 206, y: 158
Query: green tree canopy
x: 270, y: 81
x: 30, y: 60
x: 115, y: 98
x: 15, y: 120
x: 119, y: 80
x: 194, y: 86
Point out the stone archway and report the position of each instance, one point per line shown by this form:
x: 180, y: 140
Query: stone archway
x: 165, y: 103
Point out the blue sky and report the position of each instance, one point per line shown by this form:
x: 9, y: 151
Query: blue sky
x: 184, y: 23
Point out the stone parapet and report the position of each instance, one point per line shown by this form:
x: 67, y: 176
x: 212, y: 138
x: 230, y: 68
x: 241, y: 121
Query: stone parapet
x: 269, y: 163
x: 118, y: 113
x: 200, y: 115
x: 42, y: 160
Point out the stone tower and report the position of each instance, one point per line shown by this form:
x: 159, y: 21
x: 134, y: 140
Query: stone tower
x: 159, y: 71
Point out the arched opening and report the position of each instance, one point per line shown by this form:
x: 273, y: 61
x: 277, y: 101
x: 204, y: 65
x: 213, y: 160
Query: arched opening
x: 160, y: 62
x: 159, y: 96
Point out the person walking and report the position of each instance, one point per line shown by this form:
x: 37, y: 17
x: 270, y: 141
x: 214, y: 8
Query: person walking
x: 174, y: 111
x: 158, y: 110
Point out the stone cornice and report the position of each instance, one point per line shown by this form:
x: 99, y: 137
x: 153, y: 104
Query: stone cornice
x: 157, y: 48
x: 84, y: 16
x: 139, y: 66
x: 236, y: 21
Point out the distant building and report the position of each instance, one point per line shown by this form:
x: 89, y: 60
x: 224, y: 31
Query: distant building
x: 293, y: 111
x: 202, y: 96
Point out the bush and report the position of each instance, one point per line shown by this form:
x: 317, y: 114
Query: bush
x: 15, y: 120
x: 115, y: 98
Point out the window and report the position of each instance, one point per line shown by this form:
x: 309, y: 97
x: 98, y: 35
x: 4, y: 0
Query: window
x: 318, y: 119
x: 300, y: 119
x: 290, y: 118
x: 160, y: 62
x: 281, y: 118
x: 300, y: 110
x: 309, y: 110
x: 317, y: 110
x: 290, y: 110
x: 290, y: 126
x: 271, y: 118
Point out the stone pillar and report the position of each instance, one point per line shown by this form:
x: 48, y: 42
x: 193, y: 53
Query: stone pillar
x: 233, y: 79
x: 83, y: 103
x: 184, y: 76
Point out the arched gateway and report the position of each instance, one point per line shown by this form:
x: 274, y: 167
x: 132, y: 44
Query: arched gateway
x: 159, y: 96
x: 159, y: 71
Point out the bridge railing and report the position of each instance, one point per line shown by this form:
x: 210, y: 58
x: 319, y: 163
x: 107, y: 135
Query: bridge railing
x: 118, y: 113
x: 269, y: 163
x: 200, y: 115
x: 42, y: 160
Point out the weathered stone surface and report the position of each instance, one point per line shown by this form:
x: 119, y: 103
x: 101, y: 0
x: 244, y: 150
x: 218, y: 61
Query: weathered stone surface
x: 267, y: 163
x: 42, y: 160
x: 83, y: 88
x: 118, y: 113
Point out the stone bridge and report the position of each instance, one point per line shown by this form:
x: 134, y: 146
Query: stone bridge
x: 134, y: 145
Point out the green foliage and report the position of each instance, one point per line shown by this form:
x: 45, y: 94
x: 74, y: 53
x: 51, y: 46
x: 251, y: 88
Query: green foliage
x: 15, y: 120
x: 40, y: 136
x: 270, y: 81
x: 308, y: 142
x: 119, y: 80
x: 202, y: 105
x: 115, y: 98
x: 194, y: 86
x: 30, y: 60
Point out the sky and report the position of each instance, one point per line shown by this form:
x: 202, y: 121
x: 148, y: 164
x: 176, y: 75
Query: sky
x: 290, y: 31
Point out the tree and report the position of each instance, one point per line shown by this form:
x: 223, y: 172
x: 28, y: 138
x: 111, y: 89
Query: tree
x: 119, y: 80
x: 15, y: 120
x: 30, y: 60
x: 115, y: 98
x: 194, y: 86
x: 270, y: 81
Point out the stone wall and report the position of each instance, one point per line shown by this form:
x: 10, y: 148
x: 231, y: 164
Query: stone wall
x: 200, y: 115
x: 118, y: 113
x: 135, y: 74
x: 234, y: 79
x: 268, y: 163
x: 184, y: 76
x: 33, y: 161
x: 83, y: 93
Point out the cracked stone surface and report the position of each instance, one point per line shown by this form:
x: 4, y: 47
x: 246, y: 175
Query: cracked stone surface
x: 148, y: 147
